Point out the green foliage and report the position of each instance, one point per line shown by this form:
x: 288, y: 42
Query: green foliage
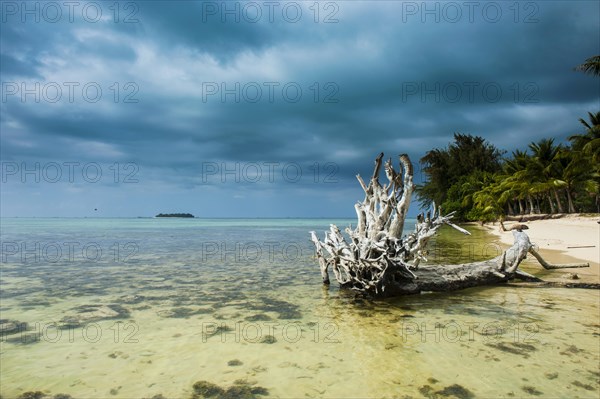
x: 470, y: 178
x: 445, y: 167
x: 591, y: 66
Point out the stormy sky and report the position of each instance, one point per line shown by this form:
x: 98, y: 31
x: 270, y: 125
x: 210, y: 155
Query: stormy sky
x: 269, y: 109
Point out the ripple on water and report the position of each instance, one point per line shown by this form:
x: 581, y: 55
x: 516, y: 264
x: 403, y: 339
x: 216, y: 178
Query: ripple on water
x: 186, y: 311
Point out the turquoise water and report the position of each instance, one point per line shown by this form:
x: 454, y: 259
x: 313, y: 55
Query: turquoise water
x: 132, y: 308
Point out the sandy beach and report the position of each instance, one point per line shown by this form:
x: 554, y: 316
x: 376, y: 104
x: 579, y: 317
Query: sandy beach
x: 575, y: 237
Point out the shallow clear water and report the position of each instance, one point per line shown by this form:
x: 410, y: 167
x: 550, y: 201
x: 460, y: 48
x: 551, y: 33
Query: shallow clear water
x: 131, y: 308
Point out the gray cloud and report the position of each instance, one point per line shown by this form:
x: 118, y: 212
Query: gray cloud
x: 380, y: 79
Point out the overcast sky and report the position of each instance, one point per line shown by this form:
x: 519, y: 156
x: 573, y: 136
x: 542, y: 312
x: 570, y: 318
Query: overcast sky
x: 269, y: 109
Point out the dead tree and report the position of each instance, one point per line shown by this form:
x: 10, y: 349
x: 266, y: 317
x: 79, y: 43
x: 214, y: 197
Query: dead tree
x: 376, y: 259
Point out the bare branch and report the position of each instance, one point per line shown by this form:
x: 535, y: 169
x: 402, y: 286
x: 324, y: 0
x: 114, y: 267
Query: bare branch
x: 378, y: 260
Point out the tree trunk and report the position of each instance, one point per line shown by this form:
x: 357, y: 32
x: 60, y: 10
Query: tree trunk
x: 558, y: 203
x: 510, y: 208
x: 552, y: 210
x: 570, y: 201
x: 521, y: 208
x: 531, y: 207
x: 440, y: 278
x: 377, y: 261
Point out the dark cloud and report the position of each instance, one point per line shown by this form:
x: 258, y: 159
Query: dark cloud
x: 386, y: 76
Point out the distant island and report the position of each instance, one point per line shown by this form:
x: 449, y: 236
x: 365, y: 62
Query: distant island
x: 175, y: 215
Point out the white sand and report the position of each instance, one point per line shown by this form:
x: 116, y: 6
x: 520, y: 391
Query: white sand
x: 562, y: 235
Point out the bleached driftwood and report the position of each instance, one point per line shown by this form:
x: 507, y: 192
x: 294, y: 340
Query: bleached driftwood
x: 374, y: 258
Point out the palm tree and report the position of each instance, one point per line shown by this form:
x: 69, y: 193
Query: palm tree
x: 545, y: 171
x: 471, y: 184
x: 577, y: 175
x: 586, y: 148
x: 519, y: 176
x: 487, y: 206
x: 589, y: 142
x: 591, y: 65
x: 507, y: 194
x: 594, y: 118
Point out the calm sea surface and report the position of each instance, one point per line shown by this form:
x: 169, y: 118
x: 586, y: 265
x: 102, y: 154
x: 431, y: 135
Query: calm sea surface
x: 133, y: 308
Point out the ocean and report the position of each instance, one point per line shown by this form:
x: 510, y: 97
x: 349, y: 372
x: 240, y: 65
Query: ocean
x: 142, y: 307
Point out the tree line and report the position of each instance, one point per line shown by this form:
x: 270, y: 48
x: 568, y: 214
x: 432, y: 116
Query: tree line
x: 480, y: 183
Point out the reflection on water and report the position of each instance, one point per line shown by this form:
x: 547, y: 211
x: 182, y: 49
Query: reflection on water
x: 236, y: 308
